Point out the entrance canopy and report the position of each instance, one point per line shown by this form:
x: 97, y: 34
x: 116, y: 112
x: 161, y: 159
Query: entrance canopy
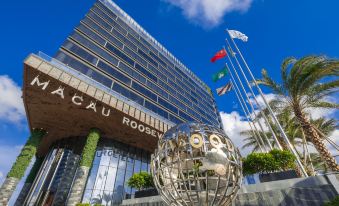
x: 67, y: 104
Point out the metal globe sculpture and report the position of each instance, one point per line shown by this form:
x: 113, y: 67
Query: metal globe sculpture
x: 196, y: 164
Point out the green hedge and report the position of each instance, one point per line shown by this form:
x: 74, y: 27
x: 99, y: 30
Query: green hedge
x: 28, y: 151
x: 275, y: 160
x: 89, y: 148
x: 334, y: 202
x: 141, y: 181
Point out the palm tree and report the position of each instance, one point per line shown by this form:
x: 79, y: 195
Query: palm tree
x: 305, y: 85
x: 251, y: 140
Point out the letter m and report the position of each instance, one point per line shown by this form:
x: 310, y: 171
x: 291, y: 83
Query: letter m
x: 43, y: 84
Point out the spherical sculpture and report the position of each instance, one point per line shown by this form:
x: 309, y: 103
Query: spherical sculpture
x: 196, y: 164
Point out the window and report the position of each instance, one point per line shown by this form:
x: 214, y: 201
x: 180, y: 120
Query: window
x: 175, y: 119
x: 156, y: 109
x: 185, y: 116
x: 81, y: 67
x: 98, y: 19
x: 119, y: 54
x: 147, y: 73
x: 167, y: 105
x: 103, y: 32
x: 107, y: 11
x: 131, y: 72
x: 80, y: 52
x: 85, y: 42
x: 91, y: 34
x: 144, y: 91
x: 157, y: 89
x: 128, y: 93
x: 114, y: 73
x: 157, y: 58
x: 143, y: 54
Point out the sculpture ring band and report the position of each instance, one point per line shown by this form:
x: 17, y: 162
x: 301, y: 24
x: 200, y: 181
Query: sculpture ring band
x: 196, y: 141
x: 215, y: 140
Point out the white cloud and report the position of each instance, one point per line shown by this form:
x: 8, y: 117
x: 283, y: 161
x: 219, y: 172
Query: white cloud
x: 335, y: 138
x: 11, y: 104
x: 269, y: 97
x: 8, y: 155
x: 234, y: 124
x: 209, y: 12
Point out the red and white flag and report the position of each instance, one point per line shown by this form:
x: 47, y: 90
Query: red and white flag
x: 219, y: 55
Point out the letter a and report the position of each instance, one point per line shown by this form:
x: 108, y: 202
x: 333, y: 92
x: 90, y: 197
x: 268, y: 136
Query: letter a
x: 92, y: 105
x: 60, y: 92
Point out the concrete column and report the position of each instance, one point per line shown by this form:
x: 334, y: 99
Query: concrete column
x: 20, y: 165
x: 82, y: 172
x: 7, y: 190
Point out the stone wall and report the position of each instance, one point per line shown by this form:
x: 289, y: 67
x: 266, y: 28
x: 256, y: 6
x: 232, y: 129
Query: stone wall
x: 292, y: 192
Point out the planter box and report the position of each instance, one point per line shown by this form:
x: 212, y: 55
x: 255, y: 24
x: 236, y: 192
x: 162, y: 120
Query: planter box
x: 278, y: 176
x: 146, y: 193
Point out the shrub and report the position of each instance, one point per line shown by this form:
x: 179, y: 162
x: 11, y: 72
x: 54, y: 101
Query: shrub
x: 141, y: 181
x: 90, y: 147
x: 334, y: 202
x: 284, y: 159
x: 275, y: 160
x: 26, y: 155
x: 83, y: 204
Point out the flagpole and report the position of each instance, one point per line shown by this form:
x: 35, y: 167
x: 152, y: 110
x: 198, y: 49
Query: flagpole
x: 247, y: 114
x: 255, y: 135
x: 257, y: 102
x: 270, y: 110
x: 253, y: 110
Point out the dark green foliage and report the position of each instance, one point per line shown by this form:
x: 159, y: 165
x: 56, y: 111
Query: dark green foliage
x: 275, y: 160
x: 141, y: 181
x: 90, y: 147
x: 334, y: 202
x: 26, y: 154
x: 34, y: 171
x: 284, y: 159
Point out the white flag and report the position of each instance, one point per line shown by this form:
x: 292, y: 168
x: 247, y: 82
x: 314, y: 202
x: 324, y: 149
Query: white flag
x: 238, y: 35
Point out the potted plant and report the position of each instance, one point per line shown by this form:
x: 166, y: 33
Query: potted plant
x: 143, y: 182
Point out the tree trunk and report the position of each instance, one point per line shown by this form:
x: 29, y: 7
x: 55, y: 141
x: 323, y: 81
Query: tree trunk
x: 310, y: 170
x: 20, y: 165
x: 316, y: 140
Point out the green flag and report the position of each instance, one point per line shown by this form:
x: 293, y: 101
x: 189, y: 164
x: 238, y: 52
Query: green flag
x: 222, y: 73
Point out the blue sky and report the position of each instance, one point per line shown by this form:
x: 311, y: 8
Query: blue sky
x: 193, y: 32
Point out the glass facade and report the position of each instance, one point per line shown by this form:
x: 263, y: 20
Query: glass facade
x: 113, y: 165
x: 54, y: 179
x: 109, y: 47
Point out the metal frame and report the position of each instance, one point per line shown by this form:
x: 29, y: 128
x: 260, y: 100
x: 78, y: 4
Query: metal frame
x: 177, y: 167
